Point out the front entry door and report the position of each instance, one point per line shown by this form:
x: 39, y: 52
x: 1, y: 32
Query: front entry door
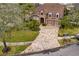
x: 42, y: 20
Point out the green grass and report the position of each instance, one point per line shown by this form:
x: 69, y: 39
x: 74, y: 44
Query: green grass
x: 72, y: 31
x: 14, y: 50
x: 22, y: 36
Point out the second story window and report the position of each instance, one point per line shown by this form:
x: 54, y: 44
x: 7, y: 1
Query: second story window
x: 41, y: 12
x: 50, y: 14
x: 57, y: 15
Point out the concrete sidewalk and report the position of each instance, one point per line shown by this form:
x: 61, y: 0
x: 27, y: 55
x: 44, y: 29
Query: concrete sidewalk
x: 16, y: 43
x: 68, y: 37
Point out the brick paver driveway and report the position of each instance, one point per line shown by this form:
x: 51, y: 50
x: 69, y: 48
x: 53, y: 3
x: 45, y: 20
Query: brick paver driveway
x: 46, y: 39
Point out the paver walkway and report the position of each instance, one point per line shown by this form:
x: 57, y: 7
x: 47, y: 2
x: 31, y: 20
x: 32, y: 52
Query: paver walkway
x: 46, y: 39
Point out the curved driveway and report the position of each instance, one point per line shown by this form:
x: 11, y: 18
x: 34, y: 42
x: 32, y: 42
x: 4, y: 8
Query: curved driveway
x: 46, y: 39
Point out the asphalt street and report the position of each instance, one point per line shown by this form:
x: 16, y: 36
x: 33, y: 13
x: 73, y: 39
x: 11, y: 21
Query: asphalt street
x: 72, y: 50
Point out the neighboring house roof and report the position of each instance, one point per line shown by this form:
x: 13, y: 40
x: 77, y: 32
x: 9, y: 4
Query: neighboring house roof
x: 69, y: 6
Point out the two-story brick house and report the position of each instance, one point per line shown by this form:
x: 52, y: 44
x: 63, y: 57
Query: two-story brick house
x: 49, y: 13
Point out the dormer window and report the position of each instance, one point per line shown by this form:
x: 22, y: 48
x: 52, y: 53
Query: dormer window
x: 57, y: 15
x: 50, y: 14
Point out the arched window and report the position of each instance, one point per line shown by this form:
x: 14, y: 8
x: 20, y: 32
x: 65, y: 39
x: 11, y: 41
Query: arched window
x: 57, y: 15
x: 50, y: 14
x: 41, y: 12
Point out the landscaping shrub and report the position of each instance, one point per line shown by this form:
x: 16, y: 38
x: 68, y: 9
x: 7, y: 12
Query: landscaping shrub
x: 64, y: 41
x: 44, y: 24
x: 65, y: 22
x: 33, y: 25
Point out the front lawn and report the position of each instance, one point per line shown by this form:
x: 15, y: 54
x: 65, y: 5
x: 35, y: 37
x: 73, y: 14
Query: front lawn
x: 22, y: 36
x: 14, y: 50
x: 71, y: 31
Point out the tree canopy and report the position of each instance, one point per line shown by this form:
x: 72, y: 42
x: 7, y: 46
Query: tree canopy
x: 27, y: 10
x: 71, y: 19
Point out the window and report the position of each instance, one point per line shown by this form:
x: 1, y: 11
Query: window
x: 57, y: 15
x: 50, y: 14
x: 41, y: 12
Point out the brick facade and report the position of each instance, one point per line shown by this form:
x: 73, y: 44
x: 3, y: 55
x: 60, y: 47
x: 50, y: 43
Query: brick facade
x: 49, y: 13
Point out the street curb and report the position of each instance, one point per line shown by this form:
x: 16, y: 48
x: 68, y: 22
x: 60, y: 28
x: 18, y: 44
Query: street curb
x: 46, y: 51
